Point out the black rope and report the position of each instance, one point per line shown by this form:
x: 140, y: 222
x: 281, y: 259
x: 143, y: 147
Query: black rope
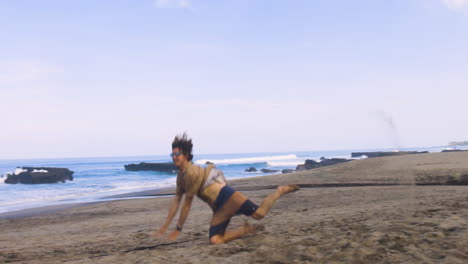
x: 142, y: 248
x: 156, y: 246
x: 322, y: 185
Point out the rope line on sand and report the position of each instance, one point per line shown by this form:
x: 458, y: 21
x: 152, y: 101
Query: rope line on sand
x: 301, y: 185
x: 321, y: 185
x: 338, y: 185
x: 156, y: 246
x: 324, y: 185
x: 141, y: 248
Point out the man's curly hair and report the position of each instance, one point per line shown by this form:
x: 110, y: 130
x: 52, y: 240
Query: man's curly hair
x: 184, y: 144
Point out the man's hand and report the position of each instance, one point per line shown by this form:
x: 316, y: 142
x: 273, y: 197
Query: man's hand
x: 173, y: 236
x: 160, y: 232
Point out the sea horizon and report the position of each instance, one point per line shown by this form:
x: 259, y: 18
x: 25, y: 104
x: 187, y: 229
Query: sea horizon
x: 234, y: 153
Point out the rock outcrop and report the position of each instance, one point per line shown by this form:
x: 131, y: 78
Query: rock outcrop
x: 251, y: 169
x: 331, y: 162
x: 308, y: 165
x: 268, y: 170
x: 143, y: 166
x: 38, y: 175
x: 312, y: 164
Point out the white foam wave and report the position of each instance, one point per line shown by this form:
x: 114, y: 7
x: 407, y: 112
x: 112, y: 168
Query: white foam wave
x: 17, y: 171
x: 247, y: 160
x: 285, y: 163
x: 170, y: 182
x: 40, y: 171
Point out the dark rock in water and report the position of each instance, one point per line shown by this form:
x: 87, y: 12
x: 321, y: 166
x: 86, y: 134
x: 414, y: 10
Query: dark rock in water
x: 308, y: 165
x: 454, y: 150
x: 268, y: 170
x: 143, y: 166
x: 312, y: 164
x: 385, y: 153
x: 287, y: 171
x: 333, y: 161
x: 251, y: 169
x: 209, y: 163
x: 300, y: 167
x: 38, y: 175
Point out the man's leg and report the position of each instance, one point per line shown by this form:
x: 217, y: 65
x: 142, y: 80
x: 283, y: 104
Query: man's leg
x: 218, y: 235
x: 268, y: 202
x: 234, y: 234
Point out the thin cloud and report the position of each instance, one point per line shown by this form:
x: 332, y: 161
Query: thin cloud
x: 456, y: 4
x: 172, y: 3
x: 20, y: 71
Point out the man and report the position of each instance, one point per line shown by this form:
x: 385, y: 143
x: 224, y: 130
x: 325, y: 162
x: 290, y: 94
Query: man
x: 210, y: 185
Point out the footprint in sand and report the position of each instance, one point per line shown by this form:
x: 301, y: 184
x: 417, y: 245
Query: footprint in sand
x: 141, y: 236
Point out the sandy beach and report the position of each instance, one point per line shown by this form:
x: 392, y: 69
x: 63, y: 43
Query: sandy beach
x: 408, y: 209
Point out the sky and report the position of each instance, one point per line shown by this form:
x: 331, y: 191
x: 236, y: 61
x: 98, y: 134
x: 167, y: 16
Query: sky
x: 121, y: 78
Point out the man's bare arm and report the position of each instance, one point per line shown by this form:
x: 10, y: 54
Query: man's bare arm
x: 172, y: 211
x: 185, y: 209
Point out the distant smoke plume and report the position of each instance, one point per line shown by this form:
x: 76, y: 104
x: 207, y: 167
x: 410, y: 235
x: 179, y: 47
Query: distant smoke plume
x: 390, y: 123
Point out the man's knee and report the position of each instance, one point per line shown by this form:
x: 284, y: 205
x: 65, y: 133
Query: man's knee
x: 216, y: 240
x: 258, y: 214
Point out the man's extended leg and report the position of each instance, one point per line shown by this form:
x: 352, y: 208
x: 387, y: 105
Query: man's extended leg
x: 268, y: 202
x: 218, y: 235
x: 234, y: 234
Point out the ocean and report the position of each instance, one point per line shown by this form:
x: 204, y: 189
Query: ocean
x: 95, y: 178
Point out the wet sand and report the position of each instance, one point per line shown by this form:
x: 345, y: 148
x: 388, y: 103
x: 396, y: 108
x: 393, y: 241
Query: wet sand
x: 330, y: 220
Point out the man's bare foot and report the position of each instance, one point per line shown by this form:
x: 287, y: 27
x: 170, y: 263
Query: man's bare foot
x: 284, y: 189
x: 253, y: 228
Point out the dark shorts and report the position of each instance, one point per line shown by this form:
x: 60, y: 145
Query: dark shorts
x: 247, y: 208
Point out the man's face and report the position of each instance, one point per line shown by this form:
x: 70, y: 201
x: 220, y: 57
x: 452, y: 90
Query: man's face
x: 178, y: 157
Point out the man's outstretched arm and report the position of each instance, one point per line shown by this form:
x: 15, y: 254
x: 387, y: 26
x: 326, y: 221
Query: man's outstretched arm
x: 185, y: 210
x: 183, y: 215
x: 172, y: 212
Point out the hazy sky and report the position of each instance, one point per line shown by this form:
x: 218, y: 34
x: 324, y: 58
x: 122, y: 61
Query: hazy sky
x: 123, y: 77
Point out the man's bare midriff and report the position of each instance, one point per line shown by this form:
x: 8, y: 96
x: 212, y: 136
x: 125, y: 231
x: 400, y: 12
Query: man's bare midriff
x: 210, y: 193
